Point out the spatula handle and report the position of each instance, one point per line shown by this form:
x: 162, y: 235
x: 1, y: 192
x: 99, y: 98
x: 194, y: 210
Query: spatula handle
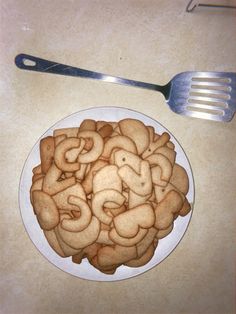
x: 31, y: 63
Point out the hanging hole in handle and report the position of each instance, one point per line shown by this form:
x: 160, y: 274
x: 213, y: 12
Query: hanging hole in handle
x: 29, y: 62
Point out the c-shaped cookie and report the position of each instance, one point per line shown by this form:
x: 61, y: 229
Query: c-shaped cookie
x: 101, y: 198
x: 78, y: 224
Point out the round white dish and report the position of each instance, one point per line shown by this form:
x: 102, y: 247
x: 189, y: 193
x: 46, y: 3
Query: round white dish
x: 85, y: 270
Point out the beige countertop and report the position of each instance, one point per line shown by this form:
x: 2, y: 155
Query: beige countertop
x: 139, y: 39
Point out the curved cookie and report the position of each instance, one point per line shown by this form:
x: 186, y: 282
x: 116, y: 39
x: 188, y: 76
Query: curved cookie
x: 158, y: 141
x: 82, y: 222
x: 60, y: 154
x: 119, y: 141
x: 137, y: 131
x: 61, y: 198
x: 79, y: 240
x: 164, y: 163
x: 101, y: 198
x: 97, y: 147
x: 116, y: 238
x: 52, y: 183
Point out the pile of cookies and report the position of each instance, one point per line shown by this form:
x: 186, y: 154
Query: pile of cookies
x: 108, y: 191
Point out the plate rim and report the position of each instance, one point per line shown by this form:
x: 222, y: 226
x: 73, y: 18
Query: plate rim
x: 109, y: 278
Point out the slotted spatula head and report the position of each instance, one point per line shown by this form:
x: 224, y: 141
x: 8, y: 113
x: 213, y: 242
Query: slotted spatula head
x: 206, y: 95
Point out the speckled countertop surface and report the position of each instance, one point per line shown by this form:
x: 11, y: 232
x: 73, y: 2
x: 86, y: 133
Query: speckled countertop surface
x: 145, y: 40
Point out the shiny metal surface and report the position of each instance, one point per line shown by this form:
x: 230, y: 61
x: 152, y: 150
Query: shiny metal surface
x: 205, y: 95
x: 207, y: 5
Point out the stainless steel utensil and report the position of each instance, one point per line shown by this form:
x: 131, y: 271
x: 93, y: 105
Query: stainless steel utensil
x: 206, y: 95
x: 207, y: 5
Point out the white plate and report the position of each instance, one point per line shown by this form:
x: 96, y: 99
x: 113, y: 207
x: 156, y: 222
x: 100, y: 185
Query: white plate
x: 85, y: 270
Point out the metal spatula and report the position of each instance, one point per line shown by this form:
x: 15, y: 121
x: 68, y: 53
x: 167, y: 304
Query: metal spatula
x: 206, y: 95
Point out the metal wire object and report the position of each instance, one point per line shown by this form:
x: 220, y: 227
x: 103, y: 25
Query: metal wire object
x: 190, y: 7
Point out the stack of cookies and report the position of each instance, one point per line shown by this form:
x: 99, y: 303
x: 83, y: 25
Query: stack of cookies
x: 108, y: 191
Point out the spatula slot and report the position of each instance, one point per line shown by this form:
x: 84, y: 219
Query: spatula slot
x: 198, y: 108
x: 210, y: 95
x: 212, y: 79
x: 224, y: 88
x: 219, y: 104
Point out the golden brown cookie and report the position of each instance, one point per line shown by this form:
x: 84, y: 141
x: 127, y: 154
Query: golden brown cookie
x: 137, y: 131
x: 166, y: 209
x: 45, y: 209
x: 179, y: 179
x: 47, y: 148
x: 143, y: 259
